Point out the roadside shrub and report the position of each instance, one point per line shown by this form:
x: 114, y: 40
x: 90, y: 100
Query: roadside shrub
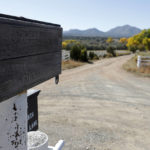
x: 91, y: 55
x: 95, y: 57
x: 78, y: 52
x: 105, y: 55
x: 83, y: 55
x: 75, y: 52
x: 111, y: 50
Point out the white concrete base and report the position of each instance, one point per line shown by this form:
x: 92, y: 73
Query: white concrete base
x: 39, y: 141
x: 13, y: 123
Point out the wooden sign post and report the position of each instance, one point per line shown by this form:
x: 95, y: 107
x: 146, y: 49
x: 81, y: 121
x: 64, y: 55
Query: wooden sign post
x: 30, y: 53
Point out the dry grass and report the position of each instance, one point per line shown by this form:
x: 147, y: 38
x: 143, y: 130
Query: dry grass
x: 145, y: 70
x: 71, y: 64
x: 131, y: 65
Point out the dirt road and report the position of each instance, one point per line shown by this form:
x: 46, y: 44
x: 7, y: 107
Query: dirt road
x: 97, y: 107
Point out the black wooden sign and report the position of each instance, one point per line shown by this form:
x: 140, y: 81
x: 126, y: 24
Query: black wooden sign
x: 30, y: 53
x: 32, y: 115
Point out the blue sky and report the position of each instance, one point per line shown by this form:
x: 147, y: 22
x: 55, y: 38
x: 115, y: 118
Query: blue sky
x: 82, y: 14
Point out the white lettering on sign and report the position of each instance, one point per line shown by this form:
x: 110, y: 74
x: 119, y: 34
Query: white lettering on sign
x: 30, y: 115
x: 31, y: 126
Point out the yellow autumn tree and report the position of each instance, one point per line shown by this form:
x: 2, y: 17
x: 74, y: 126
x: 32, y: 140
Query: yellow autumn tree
x: 64, y: 44
x: 123, y: 40
x: 140, y: 41
x: 146, y: 43
x: 109, y: 40
x: 68, y: 44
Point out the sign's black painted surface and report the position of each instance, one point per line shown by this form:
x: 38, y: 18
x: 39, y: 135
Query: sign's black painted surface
x: 32, y: 115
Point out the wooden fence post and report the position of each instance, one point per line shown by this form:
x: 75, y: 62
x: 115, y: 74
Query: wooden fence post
x: 139, y: 61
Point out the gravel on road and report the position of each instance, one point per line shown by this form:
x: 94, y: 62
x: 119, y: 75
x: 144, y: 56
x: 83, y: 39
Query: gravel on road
x: 97, y: 107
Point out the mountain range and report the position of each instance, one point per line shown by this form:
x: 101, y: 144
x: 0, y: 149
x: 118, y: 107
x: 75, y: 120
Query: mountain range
x: 120, y: 31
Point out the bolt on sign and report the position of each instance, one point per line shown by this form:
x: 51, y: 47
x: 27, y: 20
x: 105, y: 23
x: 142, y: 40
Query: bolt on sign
x: 30, y: 53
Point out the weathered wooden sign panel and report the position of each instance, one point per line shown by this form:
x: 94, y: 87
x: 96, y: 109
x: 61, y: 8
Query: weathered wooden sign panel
x: 30, y: 53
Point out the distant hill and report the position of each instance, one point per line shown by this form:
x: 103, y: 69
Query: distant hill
x: 84, y: 33
x: 121, y: 31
